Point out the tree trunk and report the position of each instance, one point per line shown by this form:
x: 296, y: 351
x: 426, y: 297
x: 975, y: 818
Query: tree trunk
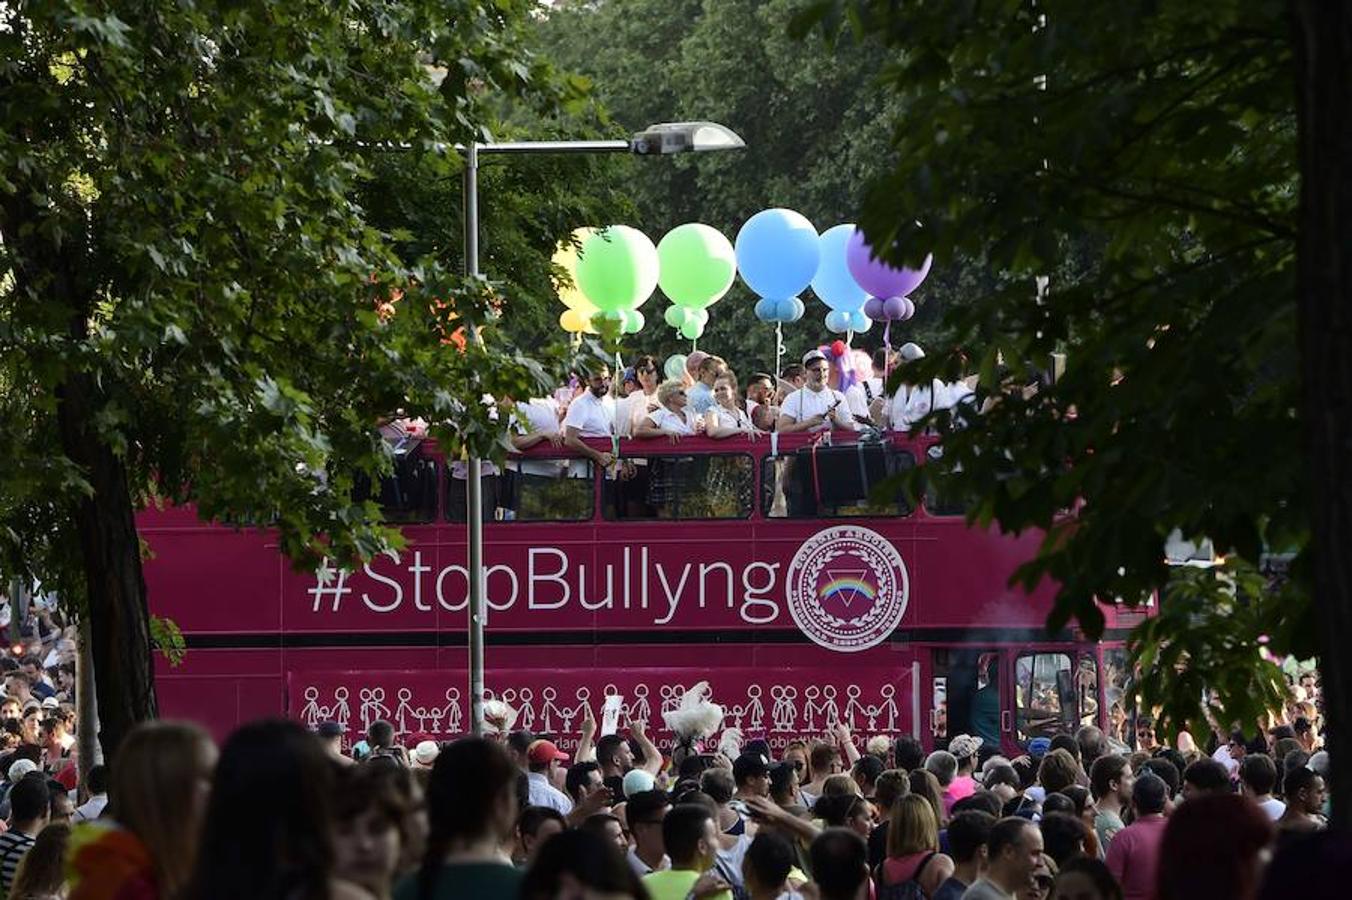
x: 86, y: 707
x: 119, y: 622
x: 1323, y: 45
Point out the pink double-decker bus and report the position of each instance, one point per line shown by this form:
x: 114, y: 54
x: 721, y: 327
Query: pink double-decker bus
x: 770, y: 569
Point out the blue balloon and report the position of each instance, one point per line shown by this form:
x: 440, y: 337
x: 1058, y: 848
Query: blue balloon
x: 838, y: 321
x: 833, y: 282
x: 765, y: 310
x: 789, y: 310
x: 859, y: 323
x: 777, y: 253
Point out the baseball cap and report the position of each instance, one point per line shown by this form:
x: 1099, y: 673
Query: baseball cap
x: 20, y: 768
x: 1038, y: 747
x: 812, y: 356
x: 964, y: 746
x: 329, y: 730
x: 50, y: 703
x: 542, y: 752
x: 426, y: 752
x: 749, y: 765
x: 636, y: 781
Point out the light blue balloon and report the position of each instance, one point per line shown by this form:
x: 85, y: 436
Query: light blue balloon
x: 838, y: 321
x: 789, y: 310
x: 674, y: 367
x: 766, y: 309
x: 777, y: 253
x: 833, y: 282
x: 859, y: 323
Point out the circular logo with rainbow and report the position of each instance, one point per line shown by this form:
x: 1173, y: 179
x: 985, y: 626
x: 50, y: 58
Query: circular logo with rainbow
x: 847, y: 588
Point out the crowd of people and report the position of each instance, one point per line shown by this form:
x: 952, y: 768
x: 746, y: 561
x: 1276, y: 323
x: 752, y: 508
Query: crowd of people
x: 280, y: 812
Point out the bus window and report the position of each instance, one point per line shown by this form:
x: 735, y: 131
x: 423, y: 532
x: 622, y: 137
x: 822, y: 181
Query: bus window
x: 966, y: 695
x: 408, y: 495
x: 835, y: 482
x: 546, y: 490
x: 1087, y: 685
x: 942, y: 502
x: 1045, y: 696
x: 714, y: 486
x: 1117, y: 689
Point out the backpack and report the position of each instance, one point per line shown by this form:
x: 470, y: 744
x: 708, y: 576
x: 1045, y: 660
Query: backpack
x: 902, y: 890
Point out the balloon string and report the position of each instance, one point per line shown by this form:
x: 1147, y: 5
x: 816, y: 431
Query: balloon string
x: 779, y: 349
x: 849, y: 337
x: 694, y: 345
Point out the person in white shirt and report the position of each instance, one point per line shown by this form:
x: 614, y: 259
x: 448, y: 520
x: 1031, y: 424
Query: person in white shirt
x: 814, y: 406
x: 1257, y: 779
x: 640, y: 402
x: 592, y: 415
x: 861, y: 395
x: 670, y: 418
x: 544, y: 757
x: 760, y: 388
x: 97, y: 783
x: 727, y: 417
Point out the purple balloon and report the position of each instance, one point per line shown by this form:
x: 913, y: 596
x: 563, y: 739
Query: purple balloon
x: 876, y: 276
x: 873, y: 308
x: 908, y: 311
x: 894, y: 308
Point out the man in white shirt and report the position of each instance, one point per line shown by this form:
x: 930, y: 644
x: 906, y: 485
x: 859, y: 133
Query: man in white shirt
x: 592, y: 415
x: 97, y: 783
x: 544, y: 758
x: 814, y: 406
x: 1257, y: 779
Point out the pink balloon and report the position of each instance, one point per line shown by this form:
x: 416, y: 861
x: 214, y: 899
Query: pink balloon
x: 877, y: 277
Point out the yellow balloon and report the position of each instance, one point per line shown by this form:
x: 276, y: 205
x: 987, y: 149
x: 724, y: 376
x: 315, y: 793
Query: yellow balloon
x: 565, y: 258
x: 576, y: 321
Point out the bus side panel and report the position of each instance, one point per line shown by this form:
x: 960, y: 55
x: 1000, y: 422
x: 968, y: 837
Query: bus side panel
x: 221, y: 689
x: 211, y: 579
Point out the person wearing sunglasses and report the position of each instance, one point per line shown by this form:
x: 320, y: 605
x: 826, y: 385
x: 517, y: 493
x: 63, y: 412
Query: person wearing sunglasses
x: 670, y: 419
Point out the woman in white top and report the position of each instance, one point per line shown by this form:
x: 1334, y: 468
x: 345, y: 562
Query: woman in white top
x: 727, y: 417
x: 669, y: 419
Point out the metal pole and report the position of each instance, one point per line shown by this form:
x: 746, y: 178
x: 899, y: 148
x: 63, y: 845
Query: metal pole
x: 473, y: 484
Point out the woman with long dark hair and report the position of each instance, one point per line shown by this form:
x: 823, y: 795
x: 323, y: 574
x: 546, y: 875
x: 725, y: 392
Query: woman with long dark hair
x: 268, y: 833
x: 471, y: 806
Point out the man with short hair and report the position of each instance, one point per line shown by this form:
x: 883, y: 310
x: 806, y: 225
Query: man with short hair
x: 583, y: 780
x: 544, y: 758
x: 607, y: 827
x: 1133, y: 856
x: 908, y: 753
x: 1013, y: 853
x: 839, y: 864
x: 644, y: 812
x: 823, y: 761
x: 1092, y: 744
x: 865, y: 772
x: 814, y: 406
x: 766, y: 867
x: 795, y: 375
x: 29, y: 811
x: 592, y: 415
x: 32, y: 667
x: 968, y: 834
x: 1304, y: 802
x: 97, y: 785
x: 1110, y: 781
x: 518, y: 745
x: 691, y: 838
x: 380, y: 738
x: 1205, y: 776
x: 1257, y: 778
x: 751, y: 774
x: 18, y: 688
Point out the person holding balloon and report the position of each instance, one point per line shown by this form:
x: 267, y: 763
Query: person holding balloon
x: 814, y: 406
x: 727, y: 417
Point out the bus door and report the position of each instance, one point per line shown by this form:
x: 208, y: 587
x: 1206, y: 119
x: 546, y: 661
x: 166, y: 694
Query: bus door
x: 1056, y: 690
x: 965, y: 692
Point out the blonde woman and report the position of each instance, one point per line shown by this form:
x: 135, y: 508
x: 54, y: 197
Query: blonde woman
x: 670, y: 419
x: 913, y: 846
x: 727, y: 417
x: 158, y: 792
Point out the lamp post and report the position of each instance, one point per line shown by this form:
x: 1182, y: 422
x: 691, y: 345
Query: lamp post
x: 656, y: 140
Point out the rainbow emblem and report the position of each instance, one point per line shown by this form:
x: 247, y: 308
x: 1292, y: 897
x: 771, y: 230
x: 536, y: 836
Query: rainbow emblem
x: 846, y: 587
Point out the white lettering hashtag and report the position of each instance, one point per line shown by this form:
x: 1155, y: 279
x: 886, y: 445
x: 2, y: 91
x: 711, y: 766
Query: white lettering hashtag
x: 326, y: 585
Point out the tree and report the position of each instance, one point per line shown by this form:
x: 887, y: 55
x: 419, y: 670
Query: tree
x: 195, y: 306
x: 1204, y: 150
x: 815, y: 125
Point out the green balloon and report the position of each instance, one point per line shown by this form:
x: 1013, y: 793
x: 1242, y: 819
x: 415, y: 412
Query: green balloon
x: 698, y: 265
x: 617, y: 268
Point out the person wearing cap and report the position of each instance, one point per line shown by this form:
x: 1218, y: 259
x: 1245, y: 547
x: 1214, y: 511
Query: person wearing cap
x: 425, y: 753
x: 331, y: 734
x: 912, y: 402
x: 964, y: 748
x: 1134, y: 853
x: 543, y: 758
x: 751, y: 774
x: 814, y: 406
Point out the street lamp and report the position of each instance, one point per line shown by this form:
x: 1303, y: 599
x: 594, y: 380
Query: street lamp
x: 655, y: 140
